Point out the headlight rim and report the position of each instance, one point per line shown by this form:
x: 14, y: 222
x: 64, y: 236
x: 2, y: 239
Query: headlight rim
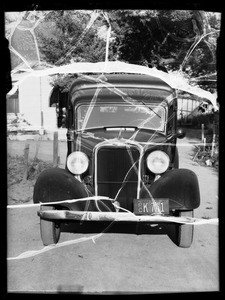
x: 150, y: 166
x: 70, y: 157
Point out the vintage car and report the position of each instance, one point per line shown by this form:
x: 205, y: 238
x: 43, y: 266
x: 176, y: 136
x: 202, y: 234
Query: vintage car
x: 122, y: 161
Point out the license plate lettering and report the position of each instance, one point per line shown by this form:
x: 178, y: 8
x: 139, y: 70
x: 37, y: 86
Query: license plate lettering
x: 150, y: 206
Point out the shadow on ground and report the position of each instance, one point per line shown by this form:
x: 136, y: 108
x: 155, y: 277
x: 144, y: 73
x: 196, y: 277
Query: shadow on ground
x: 121, y: 227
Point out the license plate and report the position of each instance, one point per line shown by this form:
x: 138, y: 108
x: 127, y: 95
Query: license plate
x: 150, y: 206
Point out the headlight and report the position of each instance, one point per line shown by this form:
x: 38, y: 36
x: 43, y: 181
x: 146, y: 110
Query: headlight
x: 158, y: 162
x: 77, y: 162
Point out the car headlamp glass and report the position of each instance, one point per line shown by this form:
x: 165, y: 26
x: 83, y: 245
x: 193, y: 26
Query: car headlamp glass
x: 158, y: 162
x: 77, y: 162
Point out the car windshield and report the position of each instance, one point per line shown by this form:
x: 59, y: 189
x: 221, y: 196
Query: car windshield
x: 121, y: 115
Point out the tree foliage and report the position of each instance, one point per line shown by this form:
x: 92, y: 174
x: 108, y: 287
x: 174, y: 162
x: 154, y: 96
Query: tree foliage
x: 184, y: 40
x: 64, y: 37
x: 176, y: 39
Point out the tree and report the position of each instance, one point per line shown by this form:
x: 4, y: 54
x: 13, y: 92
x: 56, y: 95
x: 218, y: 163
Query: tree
x: 67, y: 36
x: 177, y: 39
x: 183, y: 40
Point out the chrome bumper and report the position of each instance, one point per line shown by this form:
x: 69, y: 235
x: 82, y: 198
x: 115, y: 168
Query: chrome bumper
x: 110, y: 216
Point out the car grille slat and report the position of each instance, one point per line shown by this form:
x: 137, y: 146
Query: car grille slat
x: 116, y: 168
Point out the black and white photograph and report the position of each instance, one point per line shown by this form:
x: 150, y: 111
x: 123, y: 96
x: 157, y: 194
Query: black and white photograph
x: 112, y: 141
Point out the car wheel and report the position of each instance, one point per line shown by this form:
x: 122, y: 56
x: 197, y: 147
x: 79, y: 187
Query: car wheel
x: 185, y: 232
x: 50, y: 231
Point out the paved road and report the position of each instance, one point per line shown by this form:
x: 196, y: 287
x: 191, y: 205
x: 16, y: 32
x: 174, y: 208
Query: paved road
x: 119, y: 262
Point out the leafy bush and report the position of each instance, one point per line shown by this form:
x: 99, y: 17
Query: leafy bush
x: 207, y: 120
x: 204, y: 155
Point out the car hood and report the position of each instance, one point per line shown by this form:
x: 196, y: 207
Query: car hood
x: 86, y: 141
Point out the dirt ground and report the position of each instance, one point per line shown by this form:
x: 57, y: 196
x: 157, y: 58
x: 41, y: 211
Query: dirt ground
x: 20, y: 186
x: 20, y: 189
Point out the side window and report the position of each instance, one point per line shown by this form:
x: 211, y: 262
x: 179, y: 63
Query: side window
x: 58, y: 100
x: 170, y: 124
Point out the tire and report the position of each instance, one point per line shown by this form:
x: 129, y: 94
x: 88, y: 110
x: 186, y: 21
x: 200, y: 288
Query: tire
x: 185, y: 232
x: 50, y: 231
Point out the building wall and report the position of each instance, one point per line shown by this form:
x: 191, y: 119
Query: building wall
x: 34, y: 93
x: 13, y: 103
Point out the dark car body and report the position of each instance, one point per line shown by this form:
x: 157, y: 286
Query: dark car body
x: 117, y: 122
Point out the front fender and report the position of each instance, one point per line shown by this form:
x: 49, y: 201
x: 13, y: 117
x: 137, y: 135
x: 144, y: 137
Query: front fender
x: 58, y: 184
x: 179, y: 185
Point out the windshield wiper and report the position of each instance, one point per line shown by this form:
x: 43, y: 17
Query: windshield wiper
x: 150, y: 108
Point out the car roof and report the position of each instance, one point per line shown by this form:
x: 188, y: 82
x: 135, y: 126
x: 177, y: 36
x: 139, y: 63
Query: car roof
x: 120, y: 80
x: 84, y: 87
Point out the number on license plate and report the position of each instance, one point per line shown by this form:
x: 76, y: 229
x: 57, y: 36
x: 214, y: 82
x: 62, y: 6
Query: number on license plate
x: 151, y: 206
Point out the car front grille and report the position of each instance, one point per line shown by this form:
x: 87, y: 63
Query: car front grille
x: 117, y: 168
